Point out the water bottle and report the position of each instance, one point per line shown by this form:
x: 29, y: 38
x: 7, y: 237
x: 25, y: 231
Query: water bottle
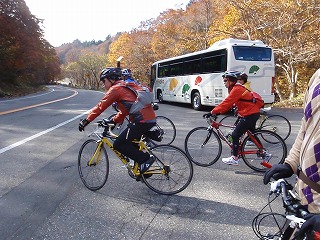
x: 229, y: 137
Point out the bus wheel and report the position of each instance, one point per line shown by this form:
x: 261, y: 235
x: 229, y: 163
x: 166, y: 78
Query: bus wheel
x: 196, y: 101
x: 160, y: 96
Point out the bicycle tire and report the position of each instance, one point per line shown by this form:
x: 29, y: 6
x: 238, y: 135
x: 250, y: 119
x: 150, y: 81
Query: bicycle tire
x: 203, y: 146
x: 119, y: 127
x: 271, y: 143
x: 278, y: 124
x: 177, y: 167
x: 95, y: 176
x: 168, y: 128
x: 227, y: 120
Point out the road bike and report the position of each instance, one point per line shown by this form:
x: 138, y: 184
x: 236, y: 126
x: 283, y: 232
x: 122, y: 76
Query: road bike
x: 275, y: 123
x: 163, y: 125
x: 171, y: 172
x: 204, y: 145
x: 270, y: 225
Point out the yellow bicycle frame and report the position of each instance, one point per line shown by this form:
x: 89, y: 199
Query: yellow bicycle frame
x: 135, y: 168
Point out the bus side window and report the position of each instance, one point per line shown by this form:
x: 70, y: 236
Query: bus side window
x: 192, y: 67
x: 176, y: 69
x: 213, y: 64
x: 163, y: 71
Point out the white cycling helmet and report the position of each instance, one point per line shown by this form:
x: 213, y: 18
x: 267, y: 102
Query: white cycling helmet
x: 232, y: 75
x: 126, y: 72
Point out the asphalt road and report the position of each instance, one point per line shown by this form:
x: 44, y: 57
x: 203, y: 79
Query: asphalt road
x: 42, y: 196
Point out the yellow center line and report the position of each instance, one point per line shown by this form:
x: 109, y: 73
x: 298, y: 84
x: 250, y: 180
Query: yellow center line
x: 37, y: 105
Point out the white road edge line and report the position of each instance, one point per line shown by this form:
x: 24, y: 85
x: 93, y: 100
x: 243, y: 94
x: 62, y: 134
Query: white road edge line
x: 22, y: 98
x: 2, y: 150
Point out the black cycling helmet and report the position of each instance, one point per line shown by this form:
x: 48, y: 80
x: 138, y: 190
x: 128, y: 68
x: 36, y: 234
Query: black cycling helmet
x: 233, y: 76
x: 111, y: 74
x: 244, y: 77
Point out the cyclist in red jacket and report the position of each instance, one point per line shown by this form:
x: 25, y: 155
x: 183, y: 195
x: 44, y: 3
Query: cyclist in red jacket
x: 248, y: 111
x: 141, y: 121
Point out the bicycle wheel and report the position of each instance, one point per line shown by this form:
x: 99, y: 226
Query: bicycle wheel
x: 203, y: 146
x: 227, y: 120
x: 168, y: 128
x: 93, y: 175
x: 119, y: 126
x: 277, y: 124
x: 274, y: 150
x: 171, y: 172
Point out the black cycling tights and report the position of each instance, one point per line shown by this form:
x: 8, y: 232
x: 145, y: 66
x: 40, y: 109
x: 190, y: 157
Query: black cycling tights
x: 245, y: 123
x: 124, y: 143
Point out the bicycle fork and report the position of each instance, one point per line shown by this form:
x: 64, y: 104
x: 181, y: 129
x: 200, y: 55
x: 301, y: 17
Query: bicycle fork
x: 96, y: 156
x: 207, y: 138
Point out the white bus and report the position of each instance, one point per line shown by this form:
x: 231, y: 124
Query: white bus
x: 196, y: 78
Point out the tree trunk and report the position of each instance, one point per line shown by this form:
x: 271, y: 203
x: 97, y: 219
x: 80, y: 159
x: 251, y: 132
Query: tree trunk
x: 293, y: 83
x: 277, y: 89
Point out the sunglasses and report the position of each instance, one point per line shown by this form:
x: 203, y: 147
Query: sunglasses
x: 225, y: 80
x: 104, y: 80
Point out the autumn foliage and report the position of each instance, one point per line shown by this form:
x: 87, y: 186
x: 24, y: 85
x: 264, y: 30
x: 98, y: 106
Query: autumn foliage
x: 290, y: 27
x: 25, y: 57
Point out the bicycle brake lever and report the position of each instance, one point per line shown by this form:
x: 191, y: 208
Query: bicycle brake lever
x: 274, y: 186
x: 295, y: 221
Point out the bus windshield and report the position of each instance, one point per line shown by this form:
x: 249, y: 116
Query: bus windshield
x: 248, y: 53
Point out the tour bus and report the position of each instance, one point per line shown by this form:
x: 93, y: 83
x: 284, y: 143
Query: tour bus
x: 196, y: 78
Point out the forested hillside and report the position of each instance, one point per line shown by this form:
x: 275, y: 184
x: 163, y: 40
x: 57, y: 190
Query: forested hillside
x: 26, y: 58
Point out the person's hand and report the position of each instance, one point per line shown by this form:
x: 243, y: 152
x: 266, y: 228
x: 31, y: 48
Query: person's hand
x: 109, y: 122
x: 115, y: 106
x: 235, y: 111
x: 277, y: 171
x: 155, y: 106
x: 312, y: 223
x: 207, y: 115
x: 83, y: 123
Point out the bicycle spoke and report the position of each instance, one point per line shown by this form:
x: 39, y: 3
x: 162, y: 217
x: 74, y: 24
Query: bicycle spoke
x: 277, y: 124
x: 273, y: 150
x: 179, y: 176
x: 203, y: 147
x: 94, y: 176
x: 168, y: 128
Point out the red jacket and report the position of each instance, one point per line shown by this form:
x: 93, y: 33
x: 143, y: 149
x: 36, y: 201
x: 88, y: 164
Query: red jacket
x: 124, y: 97
x: 244, y: 108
